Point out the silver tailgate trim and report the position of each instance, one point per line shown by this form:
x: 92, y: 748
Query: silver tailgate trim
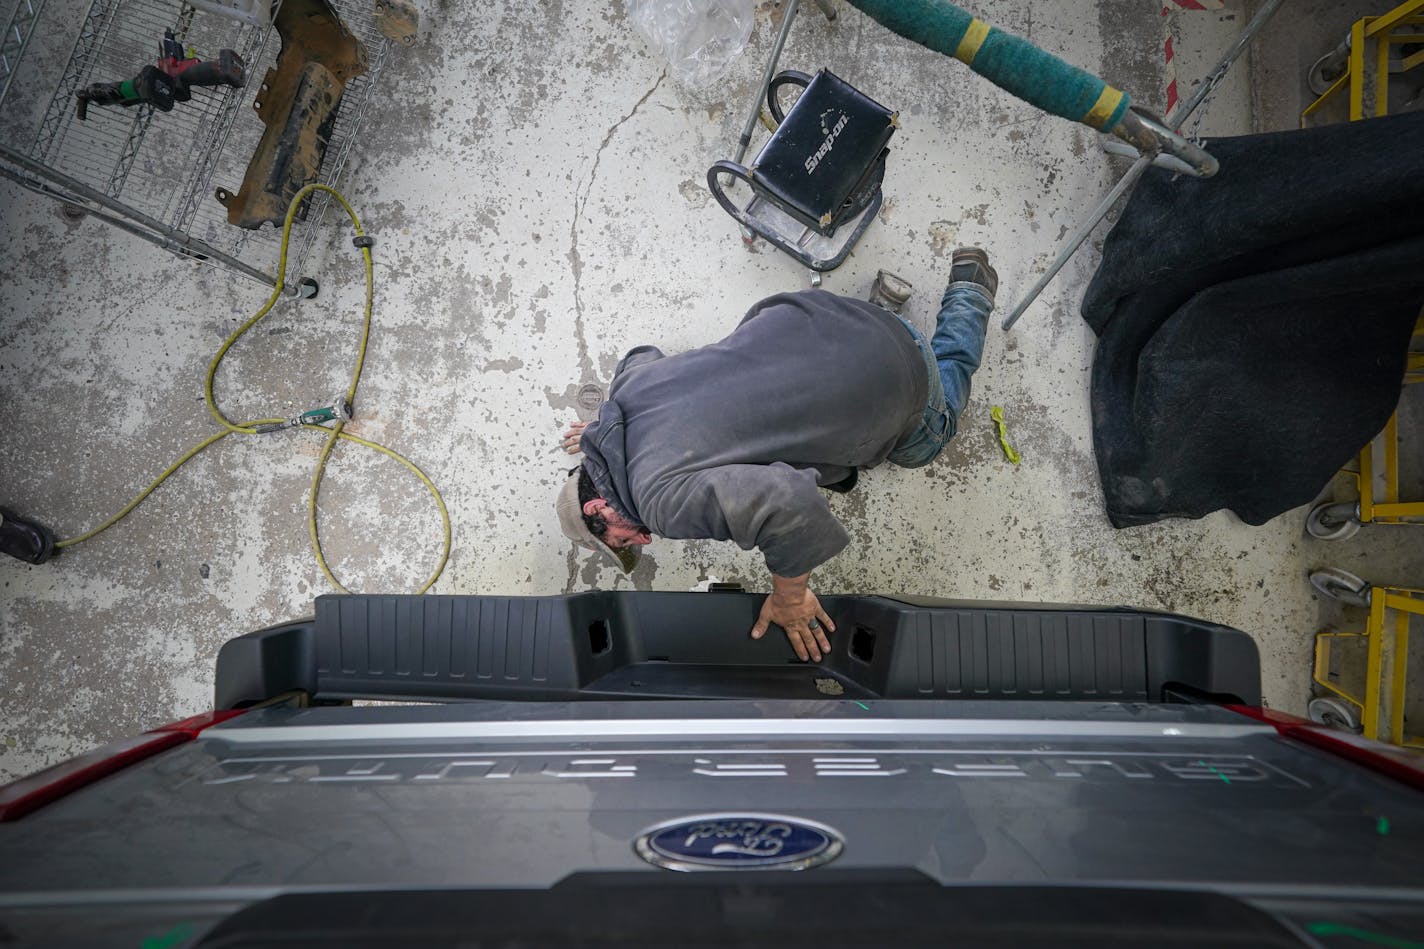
x: 919, y: 728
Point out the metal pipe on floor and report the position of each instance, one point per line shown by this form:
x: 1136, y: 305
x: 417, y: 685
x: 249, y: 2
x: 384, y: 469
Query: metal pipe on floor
x: 1078, y: 236
x: 158, y: 233
x: 1140, y: 166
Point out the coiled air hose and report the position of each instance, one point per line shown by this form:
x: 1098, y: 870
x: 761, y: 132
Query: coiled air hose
x: 332, y: 434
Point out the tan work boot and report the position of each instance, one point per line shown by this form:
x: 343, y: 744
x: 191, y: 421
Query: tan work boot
x: 971, y: 265
x: 890, y: 292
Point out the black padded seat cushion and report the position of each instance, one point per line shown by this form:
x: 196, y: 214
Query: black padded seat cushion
x: 830, y: 143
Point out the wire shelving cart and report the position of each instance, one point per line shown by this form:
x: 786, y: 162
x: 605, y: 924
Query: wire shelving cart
x: 152, y: 173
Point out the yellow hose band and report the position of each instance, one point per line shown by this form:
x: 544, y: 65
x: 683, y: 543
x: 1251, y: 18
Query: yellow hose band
x: 974, y: 38
x: 1104, y: 108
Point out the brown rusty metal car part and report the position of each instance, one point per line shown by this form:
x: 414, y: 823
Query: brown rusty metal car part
x: 298, y: 102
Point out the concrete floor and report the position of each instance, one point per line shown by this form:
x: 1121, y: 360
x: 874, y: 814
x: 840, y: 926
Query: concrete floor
x: 535, y: 183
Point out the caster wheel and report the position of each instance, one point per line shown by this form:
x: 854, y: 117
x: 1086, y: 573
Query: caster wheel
x: 1334, y: 713
x: 748, y: 237
x: 1333, y: 521
x: 1341, y: 585
x: 307, y: 289
x: 815, y: 278
x: 1328, y: 68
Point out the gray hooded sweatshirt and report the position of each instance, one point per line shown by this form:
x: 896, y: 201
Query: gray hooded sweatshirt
x: 731, y: 441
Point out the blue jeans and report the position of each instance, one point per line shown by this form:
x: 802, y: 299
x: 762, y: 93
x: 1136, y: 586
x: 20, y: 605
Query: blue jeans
x: 950, y: 360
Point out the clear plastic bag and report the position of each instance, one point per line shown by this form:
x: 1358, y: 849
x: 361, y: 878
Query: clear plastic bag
x: 698, y: 38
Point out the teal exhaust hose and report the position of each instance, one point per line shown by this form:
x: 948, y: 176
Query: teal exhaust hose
x: 1010, y: 62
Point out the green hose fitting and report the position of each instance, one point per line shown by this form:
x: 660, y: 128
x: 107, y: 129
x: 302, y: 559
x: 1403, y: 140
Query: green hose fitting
x: 339, y: 411
x: 1014, y: 64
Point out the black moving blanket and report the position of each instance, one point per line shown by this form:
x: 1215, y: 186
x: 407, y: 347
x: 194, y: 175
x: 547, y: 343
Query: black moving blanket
x: 1253, y: 327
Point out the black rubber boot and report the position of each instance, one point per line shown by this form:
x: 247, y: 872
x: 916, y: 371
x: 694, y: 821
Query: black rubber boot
x: 25, y: 540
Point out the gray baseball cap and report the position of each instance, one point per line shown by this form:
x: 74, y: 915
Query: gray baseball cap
x: 571, y: 523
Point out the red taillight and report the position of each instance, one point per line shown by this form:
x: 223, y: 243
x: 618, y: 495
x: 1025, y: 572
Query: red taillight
x: 27, y: 794
x: 191, y: 726
x: 1404, y: 766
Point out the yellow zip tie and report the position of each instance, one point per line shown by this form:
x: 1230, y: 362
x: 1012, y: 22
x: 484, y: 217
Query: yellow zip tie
x: 997, y: 414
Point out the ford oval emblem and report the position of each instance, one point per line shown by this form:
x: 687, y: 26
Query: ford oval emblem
x: 739, y: 842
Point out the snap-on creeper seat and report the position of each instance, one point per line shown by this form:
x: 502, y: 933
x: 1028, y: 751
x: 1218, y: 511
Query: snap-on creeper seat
x: 822, y: 166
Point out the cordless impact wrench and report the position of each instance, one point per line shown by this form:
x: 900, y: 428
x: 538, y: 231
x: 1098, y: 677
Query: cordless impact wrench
x: 170, y: 81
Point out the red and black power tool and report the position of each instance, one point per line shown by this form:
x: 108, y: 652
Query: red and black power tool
x: 170, y: 81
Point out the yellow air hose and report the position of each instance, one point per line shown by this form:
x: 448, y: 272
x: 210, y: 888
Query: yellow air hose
x: 332, y: 434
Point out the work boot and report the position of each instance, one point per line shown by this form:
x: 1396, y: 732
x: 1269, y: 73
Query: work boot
x: 971, y: 265
x: 24, y: 540
x: 890, y: 292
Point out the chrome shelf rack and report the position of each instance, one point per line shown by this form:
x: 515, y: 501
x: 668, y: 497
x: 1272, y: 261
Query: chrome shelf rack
x: 150, y: 173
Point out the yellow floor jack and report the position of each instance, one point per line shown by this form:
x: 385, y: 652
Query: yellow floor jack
x: 1376, y: 703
